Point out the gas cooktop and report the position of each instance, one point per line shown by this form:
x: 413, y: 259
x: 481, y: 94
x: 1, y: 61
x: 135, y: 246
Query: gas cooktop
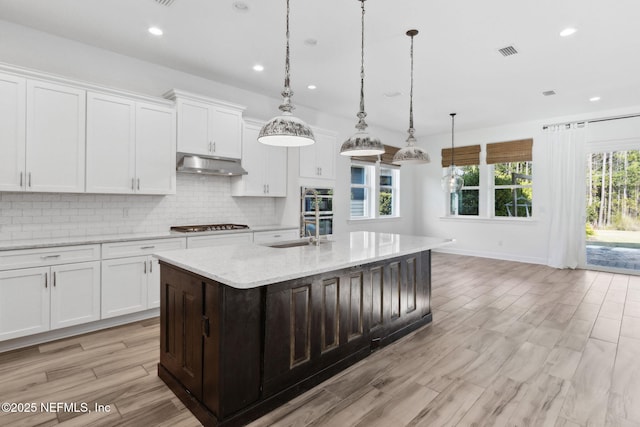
x: 208, y: 227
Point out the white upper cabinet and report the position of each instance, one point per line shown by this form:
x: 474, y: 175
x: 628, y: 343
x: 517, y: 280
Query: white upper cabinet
x: 55, y: 149
x: 111, y: 154
x: 12, y: 132
x: 207, y: 126
x: 42, y: 136
x: 318, y: 160
x: 266, y: 166
x: 155, y: 149
x: 131, y: 146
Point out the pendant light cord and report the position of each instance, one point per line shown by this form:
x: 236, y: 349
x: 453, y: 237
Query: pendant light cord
x: 411, y: 91
x: 287, y: 93
x: 362, y: 125
x: 453, y: 118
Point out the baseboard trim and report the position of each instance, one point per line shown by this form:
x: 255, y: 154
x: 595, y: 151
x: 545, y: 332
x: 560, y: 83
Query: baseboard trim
x: 493, y: 255
x: 57, y: 334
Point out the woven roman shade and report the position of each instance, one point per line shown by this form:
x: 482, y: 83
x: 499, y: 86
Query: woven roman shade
x: 463, y: 156
x: 510, y: 151
x: 386, y: 158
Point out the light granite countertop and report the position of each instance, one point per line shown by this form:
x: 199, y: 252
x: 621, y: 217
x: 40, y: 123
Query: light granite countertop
x: 249, y: 265
x: 124, y: 237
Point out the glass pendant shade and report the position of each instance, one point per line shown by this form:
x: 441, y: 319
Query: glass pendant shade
x: 411, y: 155
x: 286, y: 130
x: 361, y: 143
x: 452, y: 182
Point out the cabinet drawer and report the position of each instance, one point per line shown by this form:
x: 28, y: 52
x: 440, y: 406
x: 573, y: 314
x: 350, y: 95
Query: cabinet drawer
x: 219, y: 240
x: 25, y: 258
x: 141, y: 247
x: 275, y: 236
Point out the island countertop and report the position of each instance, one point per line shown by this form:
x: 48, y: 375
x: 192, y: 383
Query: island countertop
x: 250, y: 265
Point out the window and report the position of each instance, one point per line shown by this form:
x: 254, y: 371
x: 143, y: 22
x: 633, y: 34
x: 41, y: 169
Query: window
x: 388, y: 199
x: 375, y: 186
x: 512, y: 189
x: 512, y: 177
x: 467, y: 161
x: 361, y: 191
x: 467, y: 200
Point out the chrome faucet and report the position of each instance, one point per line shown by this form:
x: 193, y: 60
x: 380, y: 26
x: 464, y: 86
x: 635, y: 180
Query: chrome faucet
x: 316, y: 199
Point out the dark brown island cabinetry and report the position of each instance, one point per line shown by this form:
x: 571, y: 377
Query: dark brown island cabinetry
x: 232, y: 355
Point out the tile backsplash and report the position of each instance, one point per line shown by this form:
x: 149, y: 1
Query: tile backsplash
x: 198, y: 199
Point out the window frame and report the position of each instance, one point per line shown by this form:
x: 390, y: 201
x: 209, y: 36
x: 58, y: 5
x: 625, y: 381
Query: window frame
x: 372, y: 183
x: 493, y: 187
x: 450, y: 205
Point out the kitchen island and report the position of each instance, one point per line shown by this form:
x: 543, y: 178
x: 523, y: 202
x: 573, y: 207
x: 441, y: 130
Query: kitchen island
x: 244, y: 328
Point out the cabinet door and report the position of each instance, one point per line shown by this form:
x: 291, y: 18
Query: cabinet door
x: 226, y: 132
x: 24, y: 302
x: 111, y: 152
x: 326, y: 154
x: 253, y: 160
x: 155, y: 150
x: 153, y: 283
x: 276, y: 171
x: 124, y: 286
x: 75, y: 294
x: 308, y: 162
x: 55, y: 138
x: 12, y: 132
x: 194, y: 119
x: 181, y: 328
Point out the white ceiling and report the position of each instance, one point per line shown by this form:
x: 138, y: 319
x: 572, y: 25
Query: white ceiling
x: 458, y: 67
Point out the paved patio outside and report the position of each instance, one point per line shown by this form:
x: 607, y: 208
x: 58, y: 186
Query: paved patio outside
x: 613, y: 256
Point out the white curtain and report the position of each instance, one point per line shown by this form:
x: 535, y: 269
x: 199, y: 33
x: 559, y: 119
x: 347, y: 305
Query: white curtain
x: 566, y: 148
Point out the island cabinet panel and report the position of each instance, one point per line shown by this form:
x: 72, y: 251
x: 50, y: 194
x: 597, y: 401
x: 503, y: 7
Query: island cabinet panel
x: 232, y: 354
x: 210, y: 340
x: 311, y: 324
x: 181, y: 339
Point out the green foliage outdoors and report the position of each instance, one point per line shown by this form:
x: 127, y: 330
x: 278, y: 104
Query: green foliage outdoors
x: 386, y: 207
x: 613, y: 190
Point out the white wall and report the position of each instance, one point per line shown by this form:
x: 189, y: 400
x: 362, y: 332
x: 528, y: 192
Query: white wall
x: 25, y: 47
x: 512, y: 239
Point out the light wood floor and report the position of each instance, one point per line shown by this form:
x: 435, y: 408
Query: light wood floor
x: 511, y: 345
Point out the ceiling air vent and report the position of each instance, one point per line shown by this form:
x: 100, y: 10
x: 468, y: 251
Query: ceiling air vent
x: 165, y: 2
x: 505, y: 51
x: 549, y: 92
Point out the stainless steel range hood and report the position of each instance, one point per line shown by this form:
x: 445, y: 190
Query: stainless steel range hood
x: 190, y: 163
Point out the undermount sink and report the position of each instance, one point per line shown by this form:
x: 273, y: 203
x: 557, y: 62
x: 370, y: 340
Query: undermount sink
x: 295, y: 243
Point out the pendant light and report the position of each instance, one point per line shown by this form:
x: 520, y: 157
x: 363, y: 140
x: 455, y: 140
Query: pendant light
x: 286, y: 130
x: 361, y: 143
x: 411, y: 155
x: 452, y: 182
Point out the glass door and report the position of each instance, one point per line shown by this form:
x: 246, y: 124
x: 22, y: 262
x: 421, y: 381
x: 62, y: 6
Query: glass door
x: 613, y: 210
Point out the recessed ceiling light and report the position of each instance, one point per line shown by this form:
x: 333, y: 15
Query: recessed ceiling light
x: 155, y: 31
x: 258, y: 67
x: 594, y: 99
x: 311, y: 42
x: 549, y: 92
x: 312, y: 87
x: 567, y: 32
x: 240, y: 6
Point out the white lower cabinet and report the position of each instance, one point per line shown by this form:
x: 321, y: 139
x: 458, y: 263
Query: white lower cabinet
x: 24, y: 302
x: 75, y: 294
x: 39, y: 299
x: 131, y: 278
x: 124, y: 285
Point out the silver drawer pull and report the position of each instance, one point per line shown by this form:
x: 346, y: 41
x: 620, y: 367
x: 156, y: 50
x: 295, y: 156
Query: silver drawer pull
x: 277, y: 235
x: 50, y: 256
x: 147, y: 247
